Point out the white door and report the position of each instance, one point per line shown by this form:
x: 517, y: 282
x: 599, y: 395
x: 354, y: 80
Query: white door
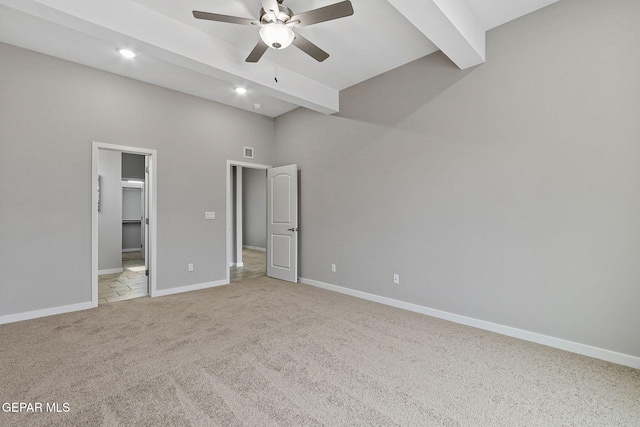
x: 282, y: 223
x: 145, y: 220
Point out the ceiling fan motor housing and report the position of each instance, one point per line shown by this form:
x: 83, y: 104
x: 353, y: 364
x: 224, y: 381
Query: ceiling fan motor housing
x: 283, y: 15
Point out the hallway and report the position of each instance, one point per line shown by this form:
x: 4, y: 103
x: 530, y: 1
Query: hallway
x: 254, y: 265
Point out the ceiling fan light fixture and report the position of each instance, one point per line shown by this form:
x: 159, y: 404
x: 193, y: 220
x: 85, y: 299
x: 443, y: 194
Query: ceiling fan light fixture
x: 276, y: 35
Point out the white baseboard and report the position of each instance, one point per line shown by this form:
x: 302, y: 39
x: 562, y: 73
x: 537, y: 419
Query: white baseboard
x: 110, y: 271
x: 255, y: 248
x: 196, y: 287
x: 584, y: 349
x: 132, y: 250
x: 236, y: 264
x: 10, y: 318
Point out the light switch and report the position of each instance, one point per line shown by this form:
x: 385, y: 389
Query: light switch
x: 209, y: 215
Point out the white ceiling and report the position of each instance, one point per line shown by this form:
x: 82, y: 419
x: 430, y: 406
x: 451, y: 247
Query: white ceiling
x: 207, y: 59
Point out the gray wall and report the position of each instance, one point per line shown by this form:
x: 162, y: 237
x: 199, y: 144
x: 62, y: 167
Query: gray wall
x: 110, y: 214
x: 254, y: 195
x: 51, y: 112
x: 508, y: 193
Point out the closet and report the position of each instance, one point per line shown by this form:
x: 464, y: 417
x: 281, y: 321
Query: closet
x: 132, y: 214
x: 133, y: 203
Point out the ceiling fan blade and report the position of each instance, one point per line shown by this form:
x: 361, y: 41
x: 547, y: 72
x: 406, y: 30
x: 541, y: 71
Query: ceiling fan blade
x: 309, y: 48
x: 224, y: 18
x: 257, y: 52
x: 322, y: 14
x: 269, y: 5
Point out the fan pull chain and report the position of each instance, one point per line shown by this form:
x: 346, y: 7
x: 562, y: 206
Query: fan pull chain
x: 275, y: 67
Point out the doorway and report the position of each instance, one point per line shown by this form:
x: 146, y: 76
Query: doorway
x: 248, y: 210
x: 123, y: 223
x: 280, y: 232
x: 130, y: 280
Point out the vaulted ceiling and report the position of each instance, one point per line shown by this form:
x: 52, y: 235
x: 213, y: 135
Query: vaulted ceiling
x: 207, y: 59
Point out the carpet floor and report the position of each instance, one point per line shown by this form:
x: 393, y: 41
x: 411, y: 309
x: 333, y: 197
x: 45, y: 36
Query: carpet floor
x: 268, y: 353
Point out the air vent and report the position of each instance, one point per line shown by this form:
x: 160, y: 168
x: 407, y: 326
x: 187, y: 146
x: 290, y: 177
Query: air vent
x: 248, y: 153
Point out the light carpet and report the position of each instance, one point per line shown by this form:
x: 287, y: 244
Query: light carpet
x: 268, y: 353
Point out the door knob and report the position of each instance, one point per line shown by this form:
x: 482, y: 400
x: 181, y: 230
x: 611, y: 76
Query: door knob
x: 292, y: 229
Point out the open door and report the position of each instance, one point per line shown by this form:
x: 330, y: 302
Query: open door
x: 145, y: 223
x: 282, y: 223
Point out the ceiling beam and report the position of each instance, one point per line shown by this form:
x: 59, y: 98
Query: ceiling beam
x: 175, y: 42
x: 450, y: 25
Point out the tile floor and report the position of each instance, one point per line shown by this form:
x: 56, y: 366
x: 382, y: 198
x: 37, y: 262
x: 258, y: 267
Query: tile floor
x: 131, y: 283
x: 254, y: 265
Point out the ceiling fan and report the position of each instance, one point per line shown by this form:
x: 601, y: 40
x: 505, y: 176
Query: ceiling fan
x: 276, y: 26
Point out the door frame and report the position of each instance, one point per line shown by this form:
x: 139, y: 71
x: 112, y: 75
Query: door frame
x: 152, y: 197
x: 230, y: 164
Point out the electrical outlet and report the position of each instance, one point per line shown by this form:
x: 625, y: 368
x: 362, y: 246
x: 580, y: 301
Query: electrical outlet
x: 190, y: 266
x: 333, y: 268
x: 396, y: 279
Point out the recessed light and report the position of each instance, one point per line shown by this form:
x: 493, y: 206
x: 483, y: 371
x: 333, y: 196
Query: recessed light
x: 257, y: 106
x: 127, y: 53
x: 241, y: 90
